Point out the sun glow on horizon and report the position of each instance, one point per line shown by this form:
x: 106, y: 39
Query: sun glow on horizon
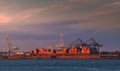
x: 5, y: 19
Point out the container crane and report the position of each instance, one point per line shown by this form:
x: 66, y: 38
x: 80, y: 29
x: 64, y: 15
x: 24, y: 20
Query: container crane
x: 78, y: 43
x: 94, y: 44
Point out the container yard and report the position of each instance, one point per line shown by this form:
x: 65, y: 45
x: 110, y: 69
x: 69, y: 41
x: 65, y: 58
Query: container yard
x: 77, y: 50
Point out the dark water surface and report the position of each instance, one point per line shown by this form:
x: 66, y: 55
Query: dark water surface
x: 60, y: 65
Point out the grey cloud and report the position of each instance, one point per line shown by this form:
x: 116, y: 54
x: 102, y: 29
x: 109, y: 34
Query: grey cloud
x: 42, y: 19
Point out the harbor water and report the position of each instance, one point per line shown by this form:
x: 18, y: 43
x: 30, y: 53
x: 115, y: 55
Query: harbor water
x: 60, y: 65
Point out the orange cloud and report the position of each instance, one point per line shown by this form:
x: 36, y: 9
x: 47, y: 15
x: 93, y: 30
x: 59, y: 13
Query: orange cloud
x: 100, y: 13
x: 114, y: 3
x: 5, y: 19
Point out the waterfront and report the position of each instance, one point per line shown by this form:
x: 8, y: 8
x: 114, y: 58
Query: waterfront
x: 60, y: 65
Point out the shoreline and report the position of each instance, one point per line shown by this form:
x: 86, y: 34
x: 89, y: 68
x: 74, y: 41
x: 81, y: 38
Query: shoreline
x: 66, y: 56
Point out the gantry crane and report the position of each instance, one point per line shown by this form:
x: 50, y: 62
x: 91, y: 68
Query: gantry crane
x: 93, y: 43
x: 78, y: 43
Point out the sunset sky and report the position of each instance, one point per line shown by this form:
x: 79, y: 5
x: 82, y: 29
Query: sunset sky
x: 37, y: 23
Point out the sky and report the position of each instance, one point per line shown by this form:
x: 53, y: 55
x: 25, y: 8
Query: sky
x: 37, y: 23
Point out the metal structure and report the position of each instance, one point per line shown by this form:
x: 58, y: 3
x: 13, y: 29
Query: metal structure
x: 9, y: 45
x: 62, y: 44
x: 78, y: 43
x: 92, y: 43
